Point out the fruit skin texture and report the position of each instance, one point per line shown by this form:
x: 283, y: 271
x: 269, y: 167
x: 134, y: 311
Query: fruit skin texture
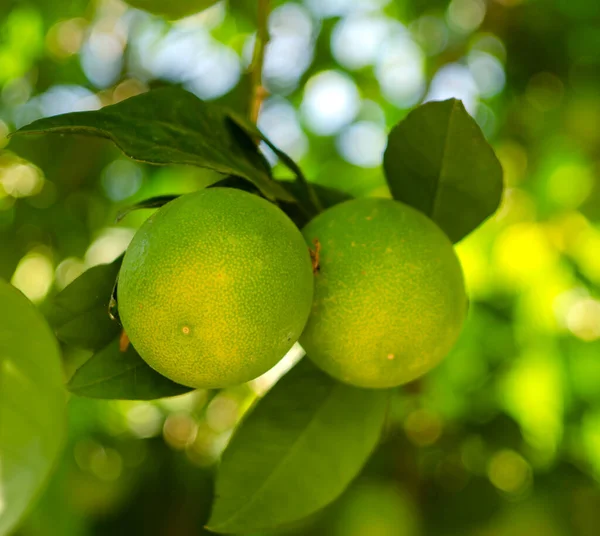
x: 172, y: 9
x: 389, y: 295
x: 215, y: 288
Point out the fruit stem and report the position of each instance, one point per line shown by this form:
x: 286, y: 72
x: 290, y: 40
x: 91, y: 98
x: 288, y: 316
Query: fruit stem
x: 258, y: 91
x: 315, y: 256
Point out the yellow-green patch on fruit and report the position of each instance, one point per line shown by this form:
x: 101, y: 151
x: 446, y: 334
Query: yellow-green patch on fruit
x: 389, y: 294
x: 215, y: 288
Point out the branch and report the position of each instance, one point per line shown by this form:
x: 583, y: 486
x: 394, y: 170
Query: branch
x: 258, y: 92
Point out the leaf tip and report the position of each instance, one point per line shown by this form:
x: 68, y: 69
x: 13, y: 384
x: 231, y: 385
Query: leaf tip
x: 215, y: 527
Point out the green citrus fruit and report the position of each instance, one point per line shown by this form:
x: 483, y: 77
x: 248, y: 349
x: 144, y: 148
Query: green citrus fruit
x: 215, y: 288
x: 389, y: 294
x: 172, y: 9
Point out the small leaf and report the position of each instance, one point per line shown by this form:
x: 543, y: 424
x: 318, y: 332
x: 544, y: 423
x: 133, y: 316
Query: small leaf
x: 111, y: 373
x: 32, y: 405
x: 296, y: 451
x: 310, y: 198
x: 301, y: 213
x: 438, y: 161
x: 174, y: 9
x: 236, y: 183
x: 169, y: 126
x: 328, y: 196
x: 79, y: 313
x: 153, y: 202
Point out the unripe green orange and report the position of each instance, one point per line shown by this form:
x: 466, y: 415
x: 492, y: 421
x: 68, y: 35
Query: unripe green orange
x: 172, y: 9
x: 389, y: 294
x: 215, y: 288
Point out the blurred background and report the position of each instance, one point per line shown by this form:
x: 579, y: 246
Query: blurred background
x: 504, y: 437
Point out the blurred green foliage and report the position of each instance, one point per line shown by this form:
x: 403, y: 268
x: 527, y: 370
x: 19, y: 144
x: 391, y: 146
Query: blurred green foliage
x: 504, y: 437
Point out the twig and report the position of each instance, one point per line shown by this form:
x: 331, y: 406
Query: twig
x: 258, y: 92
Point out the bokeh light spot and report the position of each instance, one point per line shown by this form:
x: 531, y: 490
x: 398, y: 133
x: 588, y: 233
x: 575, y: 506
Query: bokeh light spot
x: 400, y: 70
x: 290, y: 50
x: 569, y: 185
x: 583, y: 319
x: 454, y: 81
x: 464, y: 16
x: 423, y: 427
x: 510, y: 472
x: 488, y: 73
x: 144, y: 420
x: 19, y: 178
x: 278, y: 120
x: 67, y: 271
x: 180, y: 430
x: 330, y: 102
x: 34, y: 276
x: 357, y: 40
x: 431, y: 33
x: 108, y: 246
x: 121, y: 179
x: 363, y: 144
x: 65, y: 38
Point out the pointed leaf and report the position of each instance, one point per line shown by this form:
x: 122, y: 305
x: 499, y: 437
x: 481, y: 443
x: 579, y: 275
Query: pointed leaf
x: 111, y: 373
x: 169, y: 126
x: 79, y: 313
x: 438, y: 161
x: 153, y: 202
x: 296, y: 451
x: 32, y: 405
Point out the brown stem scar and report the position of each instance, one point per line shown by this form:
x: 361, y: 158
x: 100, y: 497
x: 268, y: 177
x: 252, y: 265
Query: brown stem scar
x: 315, y: 255
x: 123, y: 342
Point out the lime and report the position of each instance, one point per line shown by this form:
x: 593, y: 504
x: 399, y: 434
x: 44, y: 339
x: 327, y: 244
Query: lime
x: 215, y: 288
x: 389, y: 294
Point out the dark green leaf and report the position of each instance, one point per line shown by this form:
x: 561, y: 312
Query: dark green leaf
x: 153, y: 202
x: 173, y: 9
x: 309, y: 196
x: 438, y: 161
x: 169, y: 126
x: 237, y: 183
x: 32, y: 405
x: 327, y: 196
x: 296, y: 451
x: 301, y: 213
x: 111, y: 373
x: 79, y: 313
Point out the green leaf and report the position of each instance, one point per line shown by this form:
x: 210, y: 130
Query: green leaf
x: 173, y: 9
x: 303, y: 211
x: 309, y: 196
x: 438, y: 161
x: 111, y: 373
x: 153, y: 202
x: 296, y: 451
x: 32, y: 405
x: 170, y: 126
x: 236, y: 183
x: 79, y: 313
x: 328, y: 196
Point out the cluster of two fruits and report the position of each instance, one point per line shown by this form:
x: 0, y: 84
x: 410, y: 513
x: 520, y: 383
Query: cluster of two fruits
x: 217, y: 286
